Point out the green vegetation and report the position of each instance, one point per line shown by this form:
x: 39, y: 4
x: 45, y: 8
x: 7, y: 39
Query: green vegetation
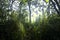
x: 12, y: 30
x: 16, y: 20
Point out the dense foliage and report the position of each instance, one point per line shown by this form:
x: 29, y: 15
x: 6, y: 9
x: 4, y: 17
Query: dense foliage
x: 16, y: 20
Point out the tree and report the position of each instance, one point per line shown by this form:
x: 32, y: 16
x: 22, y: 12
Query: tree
x: 56, y: 3
x: 29, y: 3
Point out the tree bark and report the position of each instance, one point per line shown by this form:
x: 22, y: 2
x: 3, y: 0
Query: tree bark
x: 29, y: 3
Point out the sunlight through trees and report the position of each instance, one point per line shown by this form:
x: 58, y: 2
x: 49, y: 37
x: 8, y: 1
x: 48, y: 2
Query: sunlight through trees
x: 29, y: 19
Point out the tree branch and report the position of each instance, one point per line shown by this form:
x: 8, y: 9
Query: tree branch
x: 55, y: 7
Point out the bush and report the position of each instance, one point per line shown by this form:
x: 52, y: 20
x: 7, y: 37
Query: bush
x: 9, y: 31
x: 51, y: 31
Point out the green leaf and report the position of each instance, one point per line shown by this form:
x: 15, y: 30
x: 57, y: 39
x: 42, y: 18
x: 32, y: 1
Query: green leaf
x: 47, y: 1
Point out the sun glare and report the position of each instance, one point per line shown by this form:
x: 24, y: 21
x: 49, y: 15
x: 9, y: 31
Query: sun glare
x: 34, y: 16
x: 35, y: 13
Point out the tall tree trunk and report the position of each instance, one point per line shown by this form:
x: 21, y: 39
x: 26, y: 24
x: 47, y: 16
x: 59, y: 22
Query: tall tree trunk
x: 20, y: 6
x: 29, y: 3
